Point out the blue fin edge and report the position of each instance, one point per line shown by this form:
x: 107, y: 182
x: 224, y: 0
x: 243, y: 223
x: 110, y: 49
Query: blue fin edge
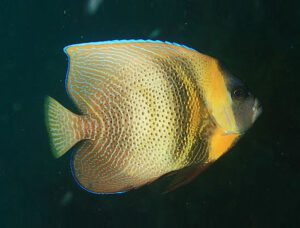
x: 129, y: 41
x: 89, y: 191
x: 67, y: 74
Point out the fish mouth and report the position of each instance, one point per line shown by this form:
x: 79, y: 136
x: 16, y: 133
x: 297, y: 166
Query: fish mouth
x: 257, y: 110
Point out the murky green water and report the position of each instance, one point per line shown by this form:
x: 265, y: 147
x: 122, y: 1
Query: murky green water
x: 257, y: 184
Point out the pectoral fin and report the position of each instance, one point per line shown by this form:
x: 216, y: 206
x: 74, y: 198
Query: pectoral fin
x: 184, y: 176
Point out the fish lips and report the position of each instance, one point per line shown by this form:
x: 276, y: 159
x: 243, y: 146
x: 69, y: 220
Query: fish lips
x: 257, y: 110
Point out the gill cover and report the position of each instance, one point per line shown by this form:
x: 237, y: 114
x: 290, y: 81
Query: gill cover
x: 218, y: 98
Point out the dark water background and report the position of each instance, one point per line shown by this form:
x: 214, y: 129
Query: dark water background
x: 257, y: 184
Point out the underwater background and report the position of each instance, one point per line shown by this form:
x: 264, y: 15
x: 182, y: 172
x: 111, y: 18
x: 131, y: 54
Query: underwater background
x: 256, y: 184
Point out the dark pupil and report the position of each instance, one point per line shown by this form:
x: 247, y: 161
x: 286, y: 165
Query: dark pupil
x: 239, y: 93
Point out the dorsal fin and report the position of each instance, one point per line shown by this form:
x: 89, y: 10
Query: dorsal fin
x: 98, y: 70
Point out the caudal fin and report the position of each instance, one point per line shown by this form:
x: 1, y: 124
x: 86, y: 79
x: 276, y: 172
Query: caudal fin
x: 62, y: 126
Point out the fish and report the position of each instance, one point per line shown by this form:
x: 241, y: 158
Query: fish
x: 146, y: 109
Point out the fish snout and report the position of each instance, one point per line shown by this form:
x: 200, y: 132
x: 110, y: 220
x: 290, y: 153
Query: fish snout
x: 257, y: 110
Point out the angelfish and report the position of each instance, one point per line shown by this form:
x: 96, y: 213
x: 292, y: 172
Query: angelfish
x: 145, y: 109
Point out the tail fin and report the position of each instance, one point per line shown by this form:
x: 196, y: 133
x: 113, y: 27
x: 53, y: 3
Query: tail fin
x: 62, y: 126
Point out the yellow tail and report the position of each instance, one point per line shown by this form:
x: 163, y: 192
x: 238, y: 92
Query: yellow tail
x: 62, y: 126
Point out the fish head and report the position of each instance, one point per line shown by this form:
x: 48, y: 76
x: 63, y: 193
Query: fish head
x: 245, y: 106
x: 233, y: 107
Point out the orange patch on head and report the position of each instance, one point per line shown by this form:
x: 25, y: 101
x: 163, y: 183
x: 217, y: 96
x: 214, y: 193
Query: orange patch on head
x: 217, y: 97
x: 220, y: 143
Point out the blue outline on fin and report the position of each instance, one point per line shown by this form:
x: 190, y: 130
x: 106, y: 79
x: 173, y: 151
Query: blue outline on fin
x: 129, y: 41
x: 67, y: 74
x: 89, y: 191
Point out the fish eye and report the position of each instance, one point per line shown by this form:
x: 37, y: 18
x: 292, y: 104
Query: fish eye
x: 239, y: 93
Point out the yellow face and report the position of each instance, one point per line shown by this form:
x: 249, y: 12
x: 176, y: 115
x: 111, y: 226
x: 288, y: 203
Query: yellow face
x: 231, y: 105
